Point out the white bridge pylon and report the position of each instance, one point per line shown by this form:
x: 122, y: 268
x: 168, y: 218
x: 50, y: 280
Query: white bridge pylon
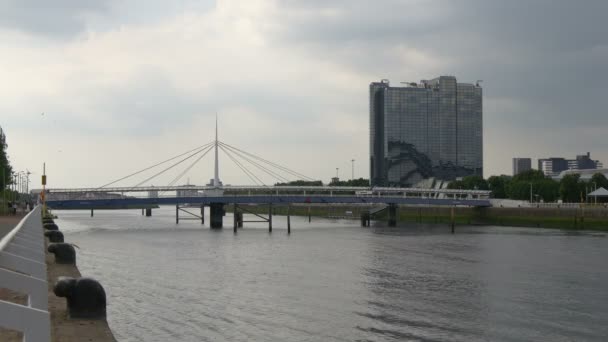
x: 260, y: 171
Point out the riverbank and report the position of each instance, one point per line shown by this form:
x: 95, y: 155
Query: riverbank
x: 62, y: 328
x: 588, y: 218
x: 66, y: 329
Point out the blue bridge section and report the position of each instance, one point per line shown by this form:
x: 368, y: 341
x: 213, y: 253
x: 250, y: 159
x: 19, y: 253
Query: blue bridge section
x: 118, y: 203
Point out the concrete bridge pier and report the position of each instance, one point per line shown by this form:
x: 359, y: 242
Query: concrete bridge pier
x: 365, y: 219
x: 270, y: 217
x: 216, y: 215
x: 203, y: 214
x: 392, y: 215
x: 148, y: 212
x: 91, y: 212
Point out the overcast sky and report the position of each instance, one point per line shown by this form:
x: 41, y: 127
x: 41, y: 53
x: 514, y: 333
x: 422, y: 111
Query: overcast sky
x: 124, y: 84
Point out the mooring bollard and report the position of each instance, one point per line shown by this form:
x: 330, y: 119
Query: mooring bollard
x: 86, y: 298
x: 54, y: 235
x: 64, y: 253
x: 50, y: 226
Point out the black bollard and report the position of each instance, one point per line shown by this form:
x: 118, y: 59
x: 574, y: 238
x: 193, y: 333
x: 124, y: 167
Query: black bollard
x: 64, y: 253
x: 50, y: 226
x: 85, y: 296
x: 54, y: 235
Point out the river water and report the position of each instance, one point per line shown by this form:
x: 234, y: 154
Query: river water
x: 335, y: 281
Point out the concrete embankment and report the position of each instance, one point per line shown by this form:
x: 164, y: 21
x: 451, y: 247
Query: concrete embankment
x: 588, y: 218
x: 63, y: 328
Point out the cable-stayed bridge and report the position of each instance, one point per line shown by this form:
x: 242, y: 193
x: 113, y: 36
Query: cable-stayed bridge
x: 271, y: 185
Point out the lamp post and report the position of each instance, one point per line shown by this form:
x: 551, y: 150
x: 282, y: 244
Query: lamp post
x: 353, y: 169
x: 337, y: 169
x: 594, y: 189
x: 530, y: 192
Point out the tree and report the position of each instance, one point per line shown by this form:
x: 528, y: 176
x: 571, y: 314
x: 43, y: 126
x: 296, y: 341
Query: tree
x: 600, y: 180
x: 301, y: 183
x: 4, y: 163
x: 547, y: 190
x: 353, y: 182
x: 475, y: 183
x: 570, y: 188
x: 529, y: 176
x: 498, y: 185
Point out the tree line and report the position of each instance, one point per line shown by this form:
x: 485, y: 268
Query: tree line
x: 519, y: 187
x: 5, y: 167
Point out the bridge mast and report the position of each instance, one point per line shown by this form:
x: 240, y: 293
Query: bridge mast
x: 216, y: 179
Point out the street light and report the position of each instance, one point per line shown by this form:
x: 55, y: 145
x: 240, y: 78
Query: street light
x: 594, y: 190
x: 353, y: 174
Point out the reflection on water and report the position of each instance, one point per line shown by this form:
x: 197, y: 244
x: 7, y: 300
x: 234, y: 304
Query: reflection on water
x: 335, y: 281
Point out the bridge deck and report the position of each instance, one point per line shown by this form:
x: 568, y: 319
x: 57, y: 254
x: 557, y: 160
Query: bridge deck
x: 259, y: 199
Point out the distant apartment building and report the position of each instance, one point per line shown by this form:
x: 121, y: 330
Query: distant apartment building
x: 423, y: 130
x: 552, y: 167
x: 521, y: 165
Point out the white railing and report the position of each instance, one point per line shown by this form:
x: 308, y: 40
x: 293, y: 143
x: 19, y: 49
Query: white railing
x: 23, y: 269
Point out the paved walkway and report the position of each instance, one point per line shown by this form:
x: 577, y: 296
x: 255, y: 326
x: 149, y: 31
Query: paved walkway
x: 7, y: 223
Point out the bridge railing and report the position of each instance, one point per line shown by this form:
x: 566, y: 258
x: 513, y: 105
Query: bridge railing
x: 202, y: 191
x: 23, y: 270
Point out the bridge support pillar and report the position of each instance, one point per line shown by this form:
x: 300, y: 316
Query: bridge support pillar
x: 234, y: 218
x: 142, y: 211
x: 202, y: 214
x: 270, y: 217
x: 392, y: 215
x: 91, y: 212
x: 309, y: 220
x: 177, y: 214
x: 216, y: 213
x: 288, y: 220
x: 148, y: 212
x: 365, y: 219
x: 452, y: 218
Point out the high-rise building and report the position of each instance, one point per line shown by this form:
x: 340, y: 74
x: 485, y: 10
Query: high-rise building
x: 429, y: 129
x: 552, y: 167
x: 521, y: 164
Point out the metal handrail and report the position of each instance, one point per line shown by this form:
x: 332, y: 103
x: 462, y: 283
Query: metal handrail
x: 23, y: 269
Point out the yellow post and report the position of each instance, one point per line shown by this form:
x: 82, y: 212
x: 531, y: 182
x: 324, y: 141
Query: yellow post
x: 43, y: 194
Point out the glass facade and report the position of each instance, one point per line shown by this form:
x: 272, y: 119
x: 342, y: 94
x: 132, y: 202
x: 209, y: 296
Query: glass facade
x: 431, y: 129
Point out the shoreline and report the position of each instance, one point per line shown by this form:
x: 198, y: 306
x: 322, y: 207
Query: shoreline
x: 63, y: 329
x: 595, y: 218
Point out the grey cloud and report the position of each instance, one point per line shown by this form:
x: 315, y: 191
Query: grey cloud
x: 544, y: 54
x: 54, y: 18
x: 68, y: 18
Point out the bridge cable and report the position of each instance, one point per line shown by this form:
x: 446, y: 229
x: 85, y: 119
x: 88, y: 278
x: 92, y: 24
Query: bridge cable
x: 261, y: 167
x: 243, y: 168
x: 294, y: 173
x: 158, y: 164
x: 166, y: 169
x: 176, y: 179
x: 79, y: 195
x: 266, y: 170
